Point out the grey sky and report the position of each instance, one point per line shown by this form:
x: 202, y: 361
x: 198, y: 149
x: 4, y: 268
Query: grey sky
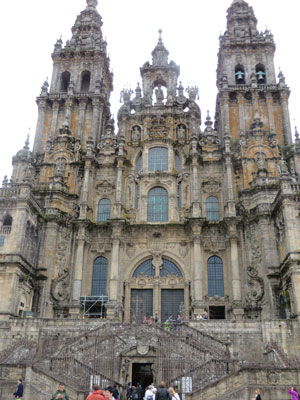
x: 191, y: 28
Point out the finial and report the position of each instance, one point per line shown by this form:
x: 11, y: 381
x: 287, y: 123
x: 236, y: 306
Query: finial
x: 160, y: 32
x: 92, y: 3
x: 296, y: 133
x: 26, y: 147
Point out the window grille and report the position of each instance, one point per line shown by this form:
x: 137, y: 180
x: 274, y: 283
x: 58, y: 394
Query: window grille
x: 138, y: 165
x: 157, y: 208
x: 141, y: 304
x: 137, y: 194
x: 215, y: 277
x: 99, y: 280
x: 179, y: 195
x: 212, y: 209
x: 145, y: 268
x: 158, y: 159
x: 169, y: 268
x: 103, y: 210
x: 177, y: 163
x: 171, y: 300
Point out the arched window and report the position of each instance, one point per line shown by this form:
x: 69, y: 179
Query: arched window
x: 138, y: 165
x: 103, y: 210
x: 65, y: 80
x: 239, y: 75
x: 158, y: 159
x: 137, y: 195
x: 145, y: 268
x: 215, y: 277
x: 99, y: 280
x: 157, y: 209
x: 7, y: 220
x: 177, y: 163
x: 212, y: 209
x: 260, y: 74
x: 169, y: 268
x: 85, y: 81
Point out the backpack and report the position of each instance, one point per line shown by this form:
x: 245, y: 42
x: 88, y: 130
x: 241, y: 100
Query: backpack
x: 135, y: 395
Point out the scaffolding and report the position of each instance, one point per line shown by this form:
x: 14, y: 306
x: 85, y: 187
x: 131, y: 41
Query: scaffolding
x: 94, y: 306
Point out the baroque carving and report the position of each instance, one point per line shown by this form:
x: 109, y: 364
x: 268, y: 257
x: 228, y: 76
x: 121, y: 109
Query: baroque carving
x: 60, y: 286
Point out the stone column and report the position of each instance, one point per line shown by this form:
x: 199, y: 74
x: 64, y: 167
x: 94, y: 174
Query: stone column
x: 100, y: 123
x: 225, y: 113
x: 197, y: 303
x: 127, y: 302
x: 294, y: 270
x: 286, y: 117
x: 196, y: 210
x: 69, y: 105
x: 235, y: 273
x: 240, y: 100
x: 186, y: 301
x: 156, y: 290
x: 85, y: 192
x: 118, y: 192
x: 270, y: 112
x: 95, y: 120
x: 42, y: 105
x: 82, y: 108
x: 55, y: 109
x: 114, y: 270
x: 78, y: 267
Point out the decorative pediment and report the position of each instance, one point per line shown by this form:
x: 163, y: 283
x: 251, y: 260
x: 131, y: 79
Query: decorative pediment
x: 211, y: 186
x: 105, y: 187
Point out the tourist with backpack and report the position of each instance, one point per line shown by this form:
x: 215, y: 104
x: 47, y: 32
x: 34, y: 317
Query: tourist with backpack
x: 149, y: 393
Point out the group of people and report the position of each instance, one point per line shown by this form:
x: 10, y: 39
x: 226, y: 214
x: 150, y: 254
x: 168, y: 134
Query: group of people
x: 293, y: 392
x: 109, y: 393
x: 204, y: 316
x: 151, y: 393
x: 151, y: 320
x: 132, y: 393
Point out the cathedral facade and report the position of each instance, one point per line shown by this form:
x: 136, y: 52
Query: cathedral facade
x: 149, y: 215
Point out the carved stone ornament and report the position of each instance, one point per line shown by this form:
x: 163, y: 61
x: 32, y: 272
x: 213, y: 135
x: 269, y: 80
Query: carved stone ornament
x: 256, y: 285
x: 142, y: 348
x: 211, y: 187
x: 60, y: 287
x: 105, y: 187
x: 130, y: 249
x: 183, y: 249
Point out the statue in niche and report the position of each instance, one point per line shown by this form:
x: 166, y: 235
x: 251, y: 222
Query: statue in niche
x: 136, y: 134
x: 260, y: 159
x: 181, y: 132
x: 60, y: 166
x: 159, y: 95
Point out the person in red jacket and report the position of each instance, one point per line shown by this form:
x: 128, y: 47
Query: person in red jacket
x: 97, y: 394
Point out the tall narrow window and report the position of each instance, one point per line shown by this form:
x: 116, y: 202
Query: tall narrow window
x: 85, y: 81
x: 103, y: 210
x: 260, y: 74
x: 65, y: 80
x: 99, y: 280
x: 177, y: 163
x: 137, y: 195
x: 138, y: 165
x: 215, y: 277
x: 7, y: 220
x: 157, y: 209
x: 212, y: 209
x: 179, y: 195
x: 158, y: 159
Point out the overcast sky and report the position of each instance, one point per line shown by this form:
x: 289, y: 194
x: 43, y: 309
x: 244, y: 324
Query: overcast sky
x: 29, y: 29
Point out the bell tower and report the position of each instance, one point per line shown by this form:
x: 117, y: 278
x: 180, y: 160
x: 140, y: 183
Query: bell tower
x: 246, y: 79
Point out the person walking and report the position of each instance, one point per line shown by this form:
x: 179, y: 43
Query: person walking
x: 129, y: 391
x: 162, y: 393
x: 97, y: 394
x: 257, y: 395
x: 149, y: 393
x: 293, y: 392
x: 61, y: 393
x: 19, y: 392
x: 175, y: 396
x: 109, y: 393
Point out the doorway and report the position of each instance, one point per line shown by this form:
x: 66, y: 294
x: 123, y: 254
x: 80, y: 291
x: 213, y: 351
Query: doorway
x: 142, y: 373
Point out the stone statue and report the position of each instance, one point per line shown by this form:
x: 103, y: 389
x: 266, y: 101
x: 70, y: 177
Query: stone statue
x: 136, y: 134
x: 181, y: 132
x: 159, y: 95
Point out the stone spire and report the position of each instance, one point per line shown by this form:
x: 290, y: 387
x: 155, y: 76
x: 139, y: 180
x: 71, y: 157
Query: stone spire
x: 86, y: 31
x: 241, y: 20
x: 160, y: 54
